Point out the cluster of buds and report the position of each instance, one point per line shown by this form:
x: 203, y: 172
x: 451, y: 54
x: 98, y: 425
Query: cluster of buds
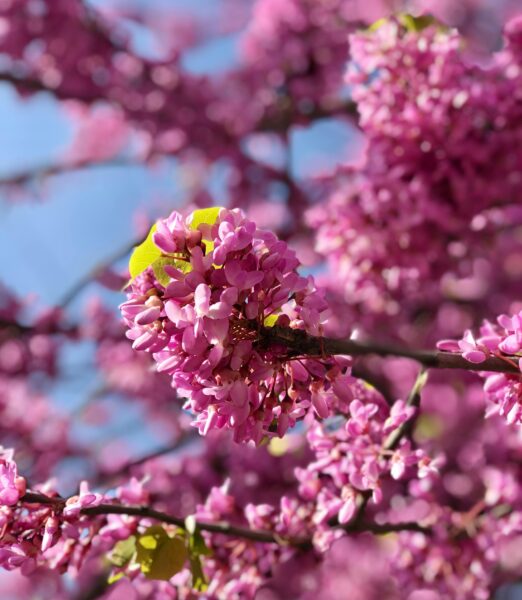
x: 209, y: 294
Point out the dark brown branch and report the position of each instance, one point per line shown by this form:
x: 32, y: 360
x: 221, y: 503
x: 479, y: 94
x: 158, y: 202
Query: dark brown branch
x: 15, y: 329
x: 300, y: 343
x: 223, y: 528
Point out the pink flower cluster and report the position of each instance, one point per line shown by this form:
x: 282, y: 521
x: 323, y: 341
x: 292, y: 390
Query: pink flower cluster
x: 438, y: 567
x: 55, y: 534
x: 12, y: 486
x: 356, y: 459
x: 300, y: 46
x: 414, y: 212
x: 34, y: 426
x: 502, y: 339
x: 209, y: 327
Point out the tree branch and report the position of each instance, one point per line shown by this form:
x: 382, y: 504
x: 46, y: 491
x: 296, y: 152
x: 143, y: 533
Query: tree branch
x: 300, y: 343
x: 184, y: 439
x: 63, y: 168
x: 289, y: 115
x: 414, y: 399
x: 219, y: 527
x: 75, y: 289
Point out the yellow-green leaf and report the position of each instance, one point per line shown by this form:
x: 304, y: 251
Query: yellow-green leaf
x: 159, y: 555
x: 204, y: 216
x: 158, y: 266
x: 270, y: 321
x: 197, y: 545
x: 199, y: 582
x: 114, y: 577
x: 148, y: 541
x: 209, y: 247
x: 144, y: 255
x: 278, y: 446
x: 428, y: 427
x: 168, y: 559
x: 409, y: 22
x: 123, y: 551
x: 378, y: 24
x: 416, y: 24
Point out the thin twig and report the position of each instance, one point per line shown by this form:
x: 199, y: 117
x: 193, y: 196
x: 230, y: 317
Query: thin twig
x: 414, y: 398
x: 392, y: 442
x: 84, y: 281
x: 41, y: 172
x: 184, y: 439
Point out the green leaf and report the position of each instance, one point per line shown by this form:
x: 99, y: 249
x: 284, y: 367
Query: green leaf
x: 123, y: 551
x: 199, y: 582
x: 168, y: 559
x: 144, y: 255
x: 197, y: 548
x: 158, y: 266
x: 270, y: 321
x: 409, y: 22
x: 428, y: 427
x: 196, y: 542
x: 278, y: 446
x: 204, y: 216
x: 114, y: 577
x: 159, y: 555
x: 147, y: 254
x: 417, y: 24
x: 378, y: 24
x: 209, y: 247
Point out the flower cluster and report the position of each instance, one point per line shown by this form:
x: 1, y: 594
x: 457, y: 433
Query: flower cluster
x: 357, y: 458
x: 502, y: 339
x: 415, y: 212
x: 210, y: 325
x: 34, y: 426
x: 12, y: 485
x: 449, y: 570
x: 43, y: 529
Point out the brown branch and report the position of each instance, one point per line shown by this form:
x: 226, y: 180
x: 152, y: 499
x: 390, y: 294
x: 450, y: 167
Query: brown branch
x: 63, y: 168
x: 300, y: 343
x: 288, y: 114
x: 219, y: 527
x: 14, y: 329
x: 414, y: 399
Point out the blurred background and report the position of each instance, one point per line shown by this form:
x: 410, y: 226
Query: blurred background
x: 80, y: 187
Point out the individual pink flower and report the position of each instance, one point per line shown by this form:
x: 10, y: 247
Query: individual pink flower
x: 12, y: 486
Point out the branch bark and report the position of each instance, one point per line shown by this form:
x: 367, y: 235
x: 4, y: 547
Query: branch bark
x: 220, y: 527
x: 300, y: 343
